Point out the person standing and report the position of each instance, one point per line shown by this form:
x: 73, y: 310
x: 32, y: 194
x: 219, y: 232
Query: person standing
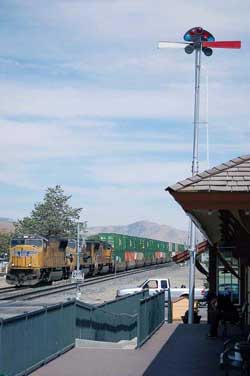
x: 221, y: 308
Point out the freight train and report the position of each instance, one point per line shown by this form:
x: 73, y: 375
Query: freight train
x: 35, y: 259
x: 126, y: 252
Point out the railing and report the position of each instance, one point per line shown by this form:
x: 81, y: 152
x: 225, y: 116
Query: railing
x: 96, y: 324
x: 32, y: 339
x: 170, y: 308
x: 143, y: 316
x: 150, y: 317
x: 125, y: 304
x: 112, y: 321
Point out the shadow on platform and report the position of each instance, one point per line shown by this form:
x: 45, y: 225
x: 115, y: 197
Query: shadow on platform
x: 187, y: 352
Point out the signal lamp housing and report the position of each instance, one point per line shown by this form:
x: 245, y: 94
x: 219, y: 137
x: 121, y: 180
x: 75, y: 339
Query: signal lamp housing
x: 207, y: 51
x: 189, y: 49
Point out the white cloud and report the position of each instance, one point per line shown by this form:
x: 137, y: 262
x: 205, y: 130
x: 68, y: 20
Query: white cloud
x: 110, y: 204
x: 69, y: 102
x: 128, y: 19
x: 23, y: 141
x: 140, y: 172
x: 73, y: 102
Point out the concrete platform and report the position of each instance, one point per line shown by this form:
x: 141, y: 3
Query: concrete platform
x: 121, y: 345
x: 174, y: 350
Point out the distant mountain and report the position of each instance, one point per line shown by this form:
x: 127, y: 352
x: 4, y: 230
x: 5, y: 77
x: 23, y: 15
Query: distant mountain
x: 6, y: 224
x: 144, y: 229
x: 4, y: 219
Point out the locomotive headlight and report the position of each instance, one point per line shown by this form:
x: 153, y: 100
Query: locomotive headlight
x: 29, y: 265
x: 12, y: 264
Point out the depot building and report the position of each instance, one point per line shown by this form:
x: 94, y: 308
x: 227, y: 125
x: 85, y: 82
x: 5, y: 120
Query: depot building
x: 218, y: 201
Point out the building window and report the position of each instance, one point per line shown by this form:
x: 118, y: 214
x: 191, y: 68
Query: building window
x: 228, y: 284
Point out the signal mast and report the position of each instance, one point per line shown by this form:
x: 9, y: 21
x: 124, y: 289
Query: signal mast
x: 197, y: 40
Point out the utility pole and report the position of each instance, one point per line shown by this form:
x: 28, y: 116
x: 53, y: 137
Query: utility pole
x: 197, y: 39
x: 78, y: 248
x: 81, y: 231
x: 195, y: 170
x: 206, y: 123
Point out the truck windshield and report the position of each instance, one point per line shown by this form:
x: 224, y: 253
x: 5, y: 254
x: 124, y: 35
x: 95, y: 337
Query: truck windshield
x: 35, y: 242
x: 151, y: 284
x: 142, y: 284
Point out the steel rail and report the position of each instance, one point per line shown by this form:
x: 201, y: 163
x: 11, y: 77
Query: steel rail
x: 7, y: 289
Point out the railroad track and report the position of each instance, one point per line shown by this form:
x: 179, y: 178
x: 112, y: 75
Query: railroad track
x: 32, y: 293
x: 7, y: 289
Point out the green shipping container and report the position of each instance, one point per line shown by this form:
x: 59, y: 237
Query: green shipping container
x: 122, y: 243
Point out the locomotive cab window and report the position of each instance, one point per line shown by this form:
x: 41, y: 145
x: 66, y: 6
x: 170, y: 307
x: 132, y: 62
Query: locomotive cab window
x: 23, y: 241
x: 71, y: 244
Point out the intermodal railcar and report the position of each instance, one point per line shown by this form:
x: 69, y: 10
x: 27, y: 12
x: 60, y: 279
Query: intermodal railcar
x: 133, y: 252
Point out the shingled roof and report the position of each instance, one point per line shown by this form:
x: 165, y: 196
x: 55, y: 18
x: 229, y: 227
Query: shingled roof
x: 232, y: 176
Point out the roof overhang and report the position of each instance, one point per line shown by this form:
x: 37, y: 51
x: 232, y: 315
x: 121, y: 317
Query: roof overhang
x: 218, y: 201
x: 211, y: 200
x: 221, y: 217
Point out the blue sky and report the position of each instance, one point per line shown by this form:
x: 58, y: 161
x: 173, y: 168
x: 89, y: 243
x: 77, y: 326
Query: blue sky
x: 87, y: 101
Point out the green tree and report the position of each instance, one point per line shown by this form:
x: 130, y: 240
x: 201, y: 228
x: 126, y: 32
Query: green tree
x: 4, y: 243
x: 51, y: 217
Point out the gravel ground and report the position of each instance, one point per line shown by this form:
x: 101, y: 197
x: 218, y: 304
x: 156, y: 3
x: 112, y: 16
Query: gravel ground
x: 3, y: 282
x: 106, y: 291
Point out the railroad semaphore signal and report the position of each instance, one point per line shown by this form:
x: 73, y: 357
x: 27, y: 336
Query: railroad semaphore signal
x: 199, y: 40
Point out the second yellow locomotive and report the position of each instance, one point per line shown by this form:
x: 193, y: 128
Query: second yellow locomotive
x: 95, y: 257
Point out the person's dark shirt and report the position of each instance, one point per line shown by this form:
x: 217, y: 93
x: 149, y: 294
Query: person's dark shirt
x: 225, y: 305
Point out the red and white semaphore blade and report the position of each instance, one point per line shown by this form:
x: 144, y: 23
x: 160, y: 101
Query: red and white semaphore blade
x: 172, y: 44
x: 216, y: 44
x: 223, y: 44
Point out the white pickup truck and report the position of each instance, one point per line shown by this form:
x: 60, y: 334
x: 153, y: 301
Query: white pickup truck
x: 156, y: 284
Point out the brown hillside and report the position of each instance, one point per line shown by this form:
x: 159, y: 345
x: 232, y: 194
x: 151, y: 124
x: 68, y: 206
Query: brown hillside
x: 6, y: 227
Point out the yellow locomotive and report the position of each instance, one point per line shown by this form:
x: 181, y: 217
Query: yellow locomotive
x: 35, y: 259
x: 95, y: 256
